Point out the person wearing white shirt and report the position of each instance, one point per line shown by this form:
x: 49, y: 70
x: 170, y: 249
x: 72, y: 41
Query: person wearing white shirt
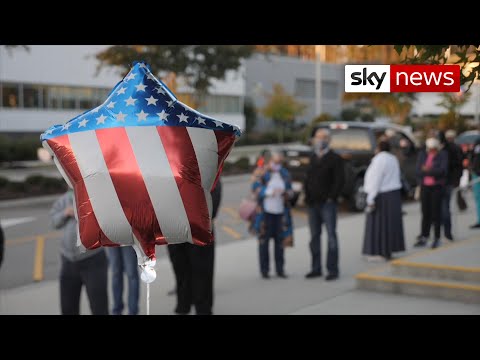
x: 384, y: 233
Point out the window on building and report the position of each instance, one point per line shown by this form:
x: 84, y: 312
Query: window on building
x: 10, y: 95
x: 305, y: 88
x: 54, y: 97
x: 329, y: 90
x: 31, y: 96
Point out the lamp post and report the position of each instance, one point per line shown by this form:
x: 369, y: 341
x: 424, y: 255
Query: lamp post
x: 319, y: 57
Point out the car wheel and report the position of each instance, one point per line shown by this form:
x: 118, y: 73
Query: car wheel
x: 358, y: 200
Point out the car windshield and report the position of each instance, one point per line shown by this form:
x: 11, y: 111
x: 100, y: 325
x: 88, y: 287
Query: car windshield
x: 350, y: 139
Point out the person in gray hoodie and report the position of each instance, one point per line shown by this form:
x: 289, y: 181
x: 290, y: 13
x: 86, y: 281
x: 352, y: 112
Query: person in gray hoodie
x: 89, y: 268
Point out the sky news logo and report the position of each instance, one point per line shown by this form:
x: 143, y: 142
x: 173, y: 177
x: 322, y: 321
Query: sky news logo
x: 402, y: 78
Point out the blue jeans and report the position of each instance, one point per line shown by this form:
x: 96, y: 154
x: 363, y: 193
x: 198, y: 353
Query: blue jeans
x: 273, y: 229
x: 446, y: 215
x: 318, y: 214
x: 123, y: 259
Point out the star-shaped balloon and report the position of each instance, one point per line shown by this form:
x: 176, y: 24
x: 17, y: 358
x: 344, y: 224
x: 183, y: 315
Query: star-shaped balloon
x: 141, y: 166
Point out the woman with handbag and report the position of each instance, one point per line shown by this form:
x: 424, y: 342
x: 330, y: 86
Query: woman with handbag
x: 273, y: 190
x: 384, y: 223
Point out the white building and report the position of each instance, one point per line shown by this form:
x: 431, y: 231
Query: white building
x: 50, y: 84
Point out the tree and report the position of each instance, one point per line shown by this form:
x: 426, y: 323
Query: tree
x: 197, y: 64
x: 467, y: 56
x: 282, y: 108
x: 452, y: 103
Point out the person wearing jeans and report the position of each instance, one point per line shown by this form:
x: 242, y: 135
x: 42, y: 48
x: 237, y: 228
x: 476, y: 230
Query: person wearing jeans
x: 122, y: 260
x: 273, y: 190
x: 78, y: 269
x: 323, y: 184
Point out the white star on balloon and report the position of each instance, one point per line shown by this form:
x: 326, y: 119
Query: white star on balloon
x: 66, y: 126
x: 121, y: 116
x: 96, y: 109
x: 183, y: 118
x: 49, y: 131
x: 160, y: 90
x: 143, y: 66
x: 170, y: 103
x: 200, y: 120
x: 162, y: 115
x: 142, y: 115
x: 141, y: 87
x: 121, y: 91
x: 151, y: 77
x: 218, y: 123
x: 130, y: 101
x: 111, y: 105
x: 83, y: 123
x: 131, y: 76
x: 101, y: 119
x: 151, y: 100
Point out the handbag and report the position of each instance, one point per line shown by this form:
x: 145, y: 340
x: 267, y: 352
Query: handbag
x: 247, y: 209
x: 461, y: 203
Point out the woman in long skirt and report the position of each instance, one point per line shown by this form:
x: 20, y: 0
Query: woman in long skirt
x: 384, y: 224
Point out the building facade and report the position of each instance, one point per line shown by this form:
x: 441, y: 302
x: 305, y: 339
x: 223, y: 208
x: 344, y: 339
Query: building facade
x: 297, y: 77
x: 51, y: 84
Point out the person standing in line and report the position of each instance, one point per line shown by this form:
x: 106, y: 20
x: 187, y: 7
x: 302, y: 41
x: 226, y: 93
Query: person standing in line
x: 384, y: 224
x: 454, y: 173
x: 432, y: 167
x: 475, y: 168
x: 323, y: 184
x: 193, y: 266
x: 273, y: 190
x: 89, y: 268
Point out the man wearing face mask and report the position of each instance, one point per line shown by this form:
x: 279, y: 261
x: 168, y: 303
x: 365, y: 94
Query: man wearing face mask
x: 324, y: 181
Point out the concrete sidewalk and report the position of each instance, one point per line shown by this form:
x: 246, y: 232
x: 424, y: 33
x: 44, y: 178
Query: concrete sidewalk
x: 240, y: 290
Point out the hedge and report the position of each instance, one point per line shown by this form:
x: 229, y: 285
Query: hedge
x: 34, y: 185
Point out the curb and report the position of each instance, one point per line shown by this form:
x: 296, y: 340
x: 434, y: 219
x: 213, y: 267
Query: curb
x: 29, y: 201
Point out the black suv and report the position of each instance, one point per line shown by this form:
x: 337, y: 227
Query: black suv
x: 355, y: 142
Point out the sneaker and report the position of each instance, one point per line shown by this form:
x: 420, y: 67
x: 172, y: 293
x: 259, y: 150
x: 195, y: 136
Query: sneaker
x: 449, y: 237
x: 313, y: 274
x: 331, y: 277
x: 265, y: 276
x: 436, y: 243
x: 422, y: 241
x: 475, y: 226
x: 282, y: 275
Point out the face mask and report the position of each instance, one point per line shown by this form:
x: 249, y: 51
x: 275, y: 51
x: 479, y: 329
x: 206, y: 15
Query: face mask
x: 320, y: 145
x: 275, y: 167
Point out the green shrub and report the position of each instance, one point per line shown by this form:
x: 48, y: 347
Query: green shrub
x: 243, y: 163
x: 16, y: 187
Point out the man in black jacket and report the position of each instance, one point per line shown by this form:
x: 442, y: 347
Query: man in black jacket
x: 193, y: 266
x: 323, y: 184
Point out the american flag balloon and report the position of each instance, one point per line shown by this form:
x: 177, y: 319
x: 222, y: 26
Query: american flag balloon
x: 142, y: 166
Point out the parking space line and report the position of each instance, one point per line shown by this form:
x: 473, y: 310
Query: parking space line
x: 231, y: 232
x: 25, y: 239
x: 38, y: 260
x: 232, y: 212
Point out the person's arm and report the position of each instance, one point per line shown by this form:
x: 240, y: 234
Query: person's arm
x: 373, y: 180
x: 338, y: 179
x: 58, y: 213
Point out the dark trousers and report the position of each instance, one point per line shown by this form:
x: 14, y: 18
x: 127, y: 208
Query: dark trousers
x: 318, y: 214
x: 193, y: 266
x: 91, y: 272
x: 431, y: 197
x: 446, y: 215
x: 273, y: 229
x: 123, y: 259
